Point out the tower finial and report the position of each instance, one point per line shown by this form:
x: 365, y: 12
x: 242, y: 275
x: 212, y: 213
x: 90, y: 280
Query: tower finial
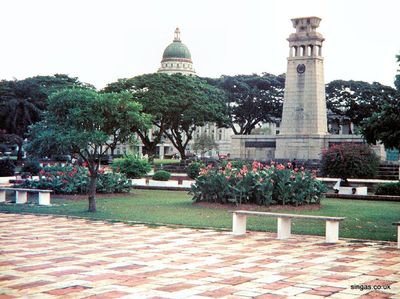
x: 177, y: 36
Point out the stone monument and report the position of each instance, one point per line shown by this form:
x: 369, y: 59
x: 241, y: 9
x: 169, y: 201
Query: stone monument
x: 303, y: 132
x: 304, y: 117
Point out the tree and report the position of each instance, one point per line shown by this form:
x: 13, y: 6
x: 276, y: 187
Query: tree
x: 252, y: 99
x: 204, y: 144
x: 397, y: 78
x: 23, y: 101
x: 177, y: 103
x: 356, y: 100
x: 82, y: 121
x: 384, y: 125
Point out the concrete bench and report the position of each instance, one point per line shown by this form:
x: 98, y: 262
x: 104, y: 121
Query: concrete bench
x: 398, y: 233
x: 21, y: 195
x: 284, y: 223
x: 349, y: 190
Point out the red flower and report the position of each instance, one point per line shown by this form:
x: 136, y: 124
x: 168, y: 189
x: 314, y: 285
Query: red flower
x: 280, y: 167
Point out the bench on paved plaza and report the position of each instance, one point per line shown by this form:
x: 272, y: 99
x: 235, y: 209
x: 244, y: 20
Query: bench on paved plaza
x: 284, y: 223
x: 349, y: 190
x: 398, y: 233
x: 21, y: 195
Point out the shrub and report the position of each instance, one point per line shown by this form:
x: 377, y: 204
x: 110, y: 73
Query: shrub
x: 388, y: 189
x: 257, y: 183
x: 350, y: 160
x: 132, y: 166
x: 75, y: 180
x: 161, y: 175
x: 32, y: 166
x: 193, y: 169
x: 7, y: 168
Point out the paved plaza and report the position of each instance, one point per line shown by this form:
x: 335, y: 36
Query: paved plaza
x: 56, y: 257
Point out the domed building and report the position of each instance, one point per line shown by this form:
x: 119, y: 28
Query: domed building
x: 176, y: 58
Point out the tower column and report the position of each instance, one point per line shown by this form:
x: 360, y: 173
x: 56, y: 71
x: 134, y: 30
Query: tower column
x: 304, y: 117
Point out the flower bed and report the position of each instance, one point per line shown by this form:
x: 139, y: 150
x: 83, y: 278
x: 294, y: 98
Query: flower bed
x: 75, y: 180
x: 262, y: 184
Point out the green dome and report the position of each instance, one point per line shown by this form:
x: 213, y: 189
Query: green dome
x: 176, y: 50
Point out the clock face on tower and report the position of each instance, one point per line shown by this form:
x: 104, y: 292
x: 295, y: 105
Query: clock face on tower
x: 301, y: 68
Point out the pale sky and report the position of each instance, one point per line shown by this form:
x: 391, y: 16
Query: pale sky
x: 99, y: 41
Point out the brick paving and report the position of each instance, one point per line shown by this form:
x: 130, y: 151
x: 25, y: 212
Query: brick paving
x: 56, y: 257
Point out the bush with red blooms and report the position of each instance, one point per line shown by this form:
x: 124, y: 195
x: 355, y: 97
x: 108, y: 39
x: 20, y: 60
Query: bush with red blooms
x: 75, y: 180
x: 262, y: 184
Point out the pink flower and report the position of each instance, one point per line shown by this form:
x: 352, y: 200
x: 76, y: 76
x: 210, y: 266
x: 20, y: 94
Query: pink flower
x: 203, y: 171
x: 280, y: 167
x: 244, y: 170
x: 229, y: 165
x: 289, y: 165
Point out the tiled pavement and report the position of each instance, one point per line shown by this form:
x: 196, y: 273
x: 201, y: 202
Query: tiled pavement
x: 55, y: 257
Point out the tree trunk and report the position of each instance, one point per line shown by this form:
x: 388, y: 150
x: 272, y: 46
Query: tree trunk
x: 150, y: 151
x: 92, y: 193
x: 19, y: 153
x: 182, y: 152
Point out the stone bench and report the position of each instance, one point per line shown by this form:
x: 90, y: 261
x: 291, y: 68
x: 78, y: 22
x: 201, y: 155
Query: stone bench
x: 349, y: 190
x: 21, y: 195
x: 398, y: 233
x: 284, y: 223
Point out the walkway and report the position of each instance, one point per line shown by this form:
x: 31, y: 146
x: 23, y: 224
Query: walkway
x: 55, y: 257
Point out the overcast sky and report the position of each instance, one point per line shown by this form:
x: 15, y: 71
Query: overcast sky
x: 101, y: 41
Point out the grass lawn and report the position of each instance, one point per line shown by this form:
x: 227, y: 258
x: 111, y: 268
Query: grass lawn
x: 365, y: 219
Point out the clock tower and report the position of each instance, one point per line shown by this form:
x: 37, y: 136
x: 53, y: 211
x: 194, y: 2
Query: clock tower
x: 304, y: 117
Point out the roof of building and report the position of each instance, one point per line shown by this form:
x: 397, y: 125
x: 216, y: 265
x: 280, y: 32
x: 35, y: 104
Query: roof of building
x: 176, y: 49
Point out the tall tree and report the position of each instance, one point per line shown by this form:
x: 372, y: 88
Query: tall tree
x: 252, y: 99
x: 357, y: 100
x: 81, y: 121
x: 177, y: 104
x: 23, y: 101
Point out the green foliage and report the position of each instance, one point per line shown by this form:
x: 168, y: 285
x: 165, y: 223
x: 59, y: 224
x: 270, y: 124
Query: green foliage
x: 75, y: 180
x: 22, y: 102
x: 397, y: 79
x: 357, y: 100
x: 257, y: 183
x: 113, y: 183
x: 251, y: 99
x: 384, y: 125
x: 87, y: 123
x: 132, y: 166
x: 193, y: 169
x: 31, y: 166
x: 349, y: 160
x: 177, y: 103
x: 161, y: 175
x: 388, y: 189
x: 7, y: 167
